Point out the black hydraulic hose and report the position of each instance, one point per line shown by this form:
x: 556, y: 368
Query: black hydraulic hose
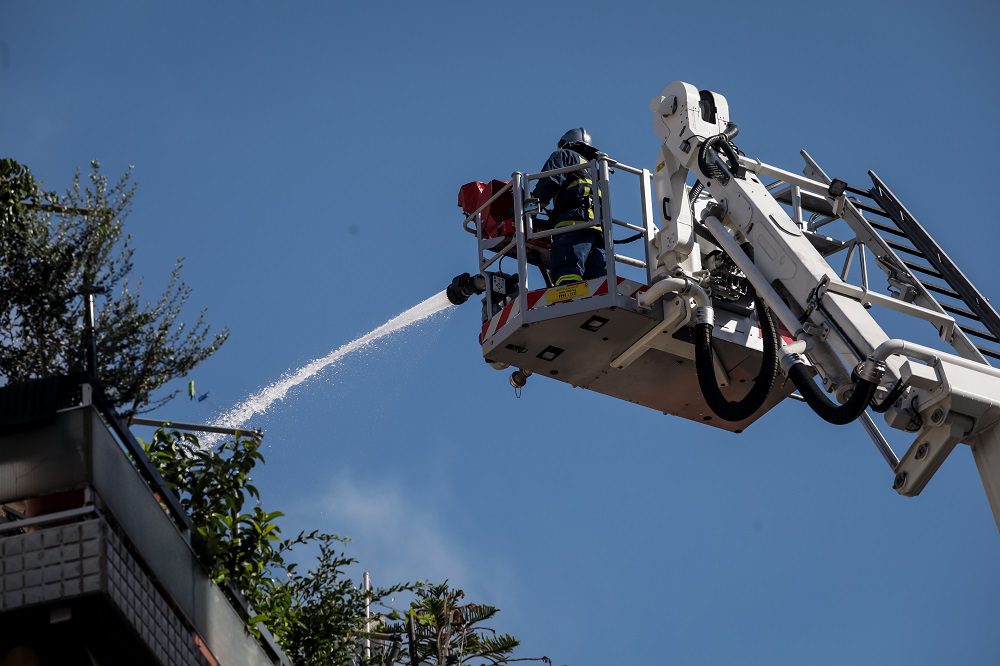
x: 713, y: 170
x: 628, y: 239
x: 734, y: 159
x: 826, y: 408
x: 696, y: 190
x: 762, y: 384
x: 721, y: 143
x: 710, y: 170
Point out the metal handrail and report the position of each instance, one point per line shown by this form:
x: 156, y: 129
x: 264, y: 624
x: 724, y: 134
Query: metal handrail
x: 44, y: 519
x: 529, y: 177
x: 500, y: 253
x: 624, y: 167
x: 524, y: 232
x: 586, y: 224
x: 629, y: 261
x: 623, y: 223
x: 560, y: 170
x: 762, y: 168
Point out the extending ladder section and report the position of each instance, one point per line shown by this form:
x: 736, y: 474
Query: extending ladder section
x: 918, y: 269
x: 935, y: 270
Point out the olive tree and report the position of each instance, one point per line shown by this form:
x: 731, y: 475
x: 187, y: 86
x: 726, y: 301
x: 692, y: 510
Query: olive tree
x: 57, y: 248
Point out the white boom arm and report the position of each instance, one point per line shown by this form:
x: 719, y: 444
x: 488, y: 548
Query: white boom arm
x: 947, y: 400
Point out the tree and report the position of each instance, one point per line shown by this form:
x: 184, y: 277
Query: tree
x: 235, y: 539
x: 445, y: 631
x: 317, y: 616
x: 328, y: 610
x: 54, y: 249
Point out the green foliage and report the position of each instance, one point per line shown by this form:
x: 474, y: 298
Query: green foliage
x: 53, y: 249
x: 450, y: 632
x: 317, y: 616
x: 329, y: 610
x: 237, y: 543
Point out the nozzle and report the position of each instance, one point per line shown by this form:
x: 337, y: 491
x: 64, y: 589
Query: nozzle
x: 519, y: 378
x: 465, y: 285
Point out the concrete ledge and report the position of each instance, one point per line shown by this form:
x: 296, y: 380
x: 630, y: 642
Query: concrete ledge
x: 77, y: 452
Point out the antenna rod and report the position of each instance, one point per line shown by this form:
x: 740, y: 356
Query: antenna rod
x: 195, y: 427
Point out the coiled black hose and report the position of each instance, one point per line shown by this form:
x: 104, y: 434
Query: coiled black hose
x: 826, y: 408
x: 696, y: 190
x: 724, y: 408
x: 721, y: 143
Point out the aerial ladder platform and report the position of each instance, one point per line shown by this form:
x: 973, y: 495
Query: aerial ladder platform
x: 737, y: 284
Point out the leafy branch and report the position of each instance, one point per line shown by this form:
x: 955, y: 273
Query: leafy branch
x: 56, y: 248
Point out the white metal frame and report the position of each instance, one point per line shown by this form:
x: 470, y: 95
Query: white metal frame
x: 491, y: 250
x: 950, y: 398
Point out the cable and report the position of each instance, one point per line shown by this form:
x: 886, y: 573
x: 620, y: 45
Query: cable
x: 696, y: 190
x: 628, y: 239
x: 721, y: 143
x: 827, y: 409
x: 764, y: 381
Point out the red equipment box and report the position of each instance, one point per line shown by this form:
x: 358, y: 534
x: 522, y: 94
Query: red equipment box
x: 498, y: 217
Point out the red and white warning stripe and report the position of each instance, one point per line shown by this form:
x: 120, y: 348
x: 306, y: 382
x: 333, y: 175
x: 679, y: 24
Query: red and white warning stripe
x: 499, y: 320
x: 537, y: 299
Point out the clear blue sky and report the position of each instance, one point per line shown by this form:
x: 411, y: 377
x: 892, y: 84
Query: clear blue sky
x: 305, y: 159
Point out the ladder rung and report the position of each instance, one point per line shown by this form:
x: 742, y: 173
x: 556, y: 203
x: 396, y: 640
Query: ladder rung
x: 810, y: 202
x: 989, y: 352
x: 905, y: 248
x: 923, y: 269
x: 887, y: 229
x: 934, y: 255
x: 960, y: 311
x: 940, y: 290
x: 985, y: 335
x: 869, y: 209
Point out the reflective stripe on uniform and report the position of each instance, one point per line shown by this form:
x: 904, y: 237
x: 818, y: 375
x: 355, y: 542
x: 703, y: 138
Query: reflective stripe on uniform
x: 569, y: 277
x: 570, y: 223
x: 587, y: 185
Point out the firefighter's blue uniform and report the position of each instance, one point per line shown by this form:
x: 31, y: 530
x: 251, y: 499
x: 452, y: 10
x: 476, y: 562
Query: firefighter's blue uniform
x: 575, y: 255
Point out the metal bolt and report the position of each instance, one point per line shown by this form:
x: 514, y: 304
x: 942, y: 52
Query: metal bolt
x: 900, y: 481
x: 922, y: 451
x: 937, y: 415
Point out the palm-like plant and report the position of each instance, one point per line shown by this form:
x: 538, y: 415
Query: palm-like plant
x: 447, y: 632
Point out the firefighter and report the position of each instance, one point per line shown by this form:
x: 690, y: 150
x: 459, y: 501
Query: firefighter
x: 579, y: 254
